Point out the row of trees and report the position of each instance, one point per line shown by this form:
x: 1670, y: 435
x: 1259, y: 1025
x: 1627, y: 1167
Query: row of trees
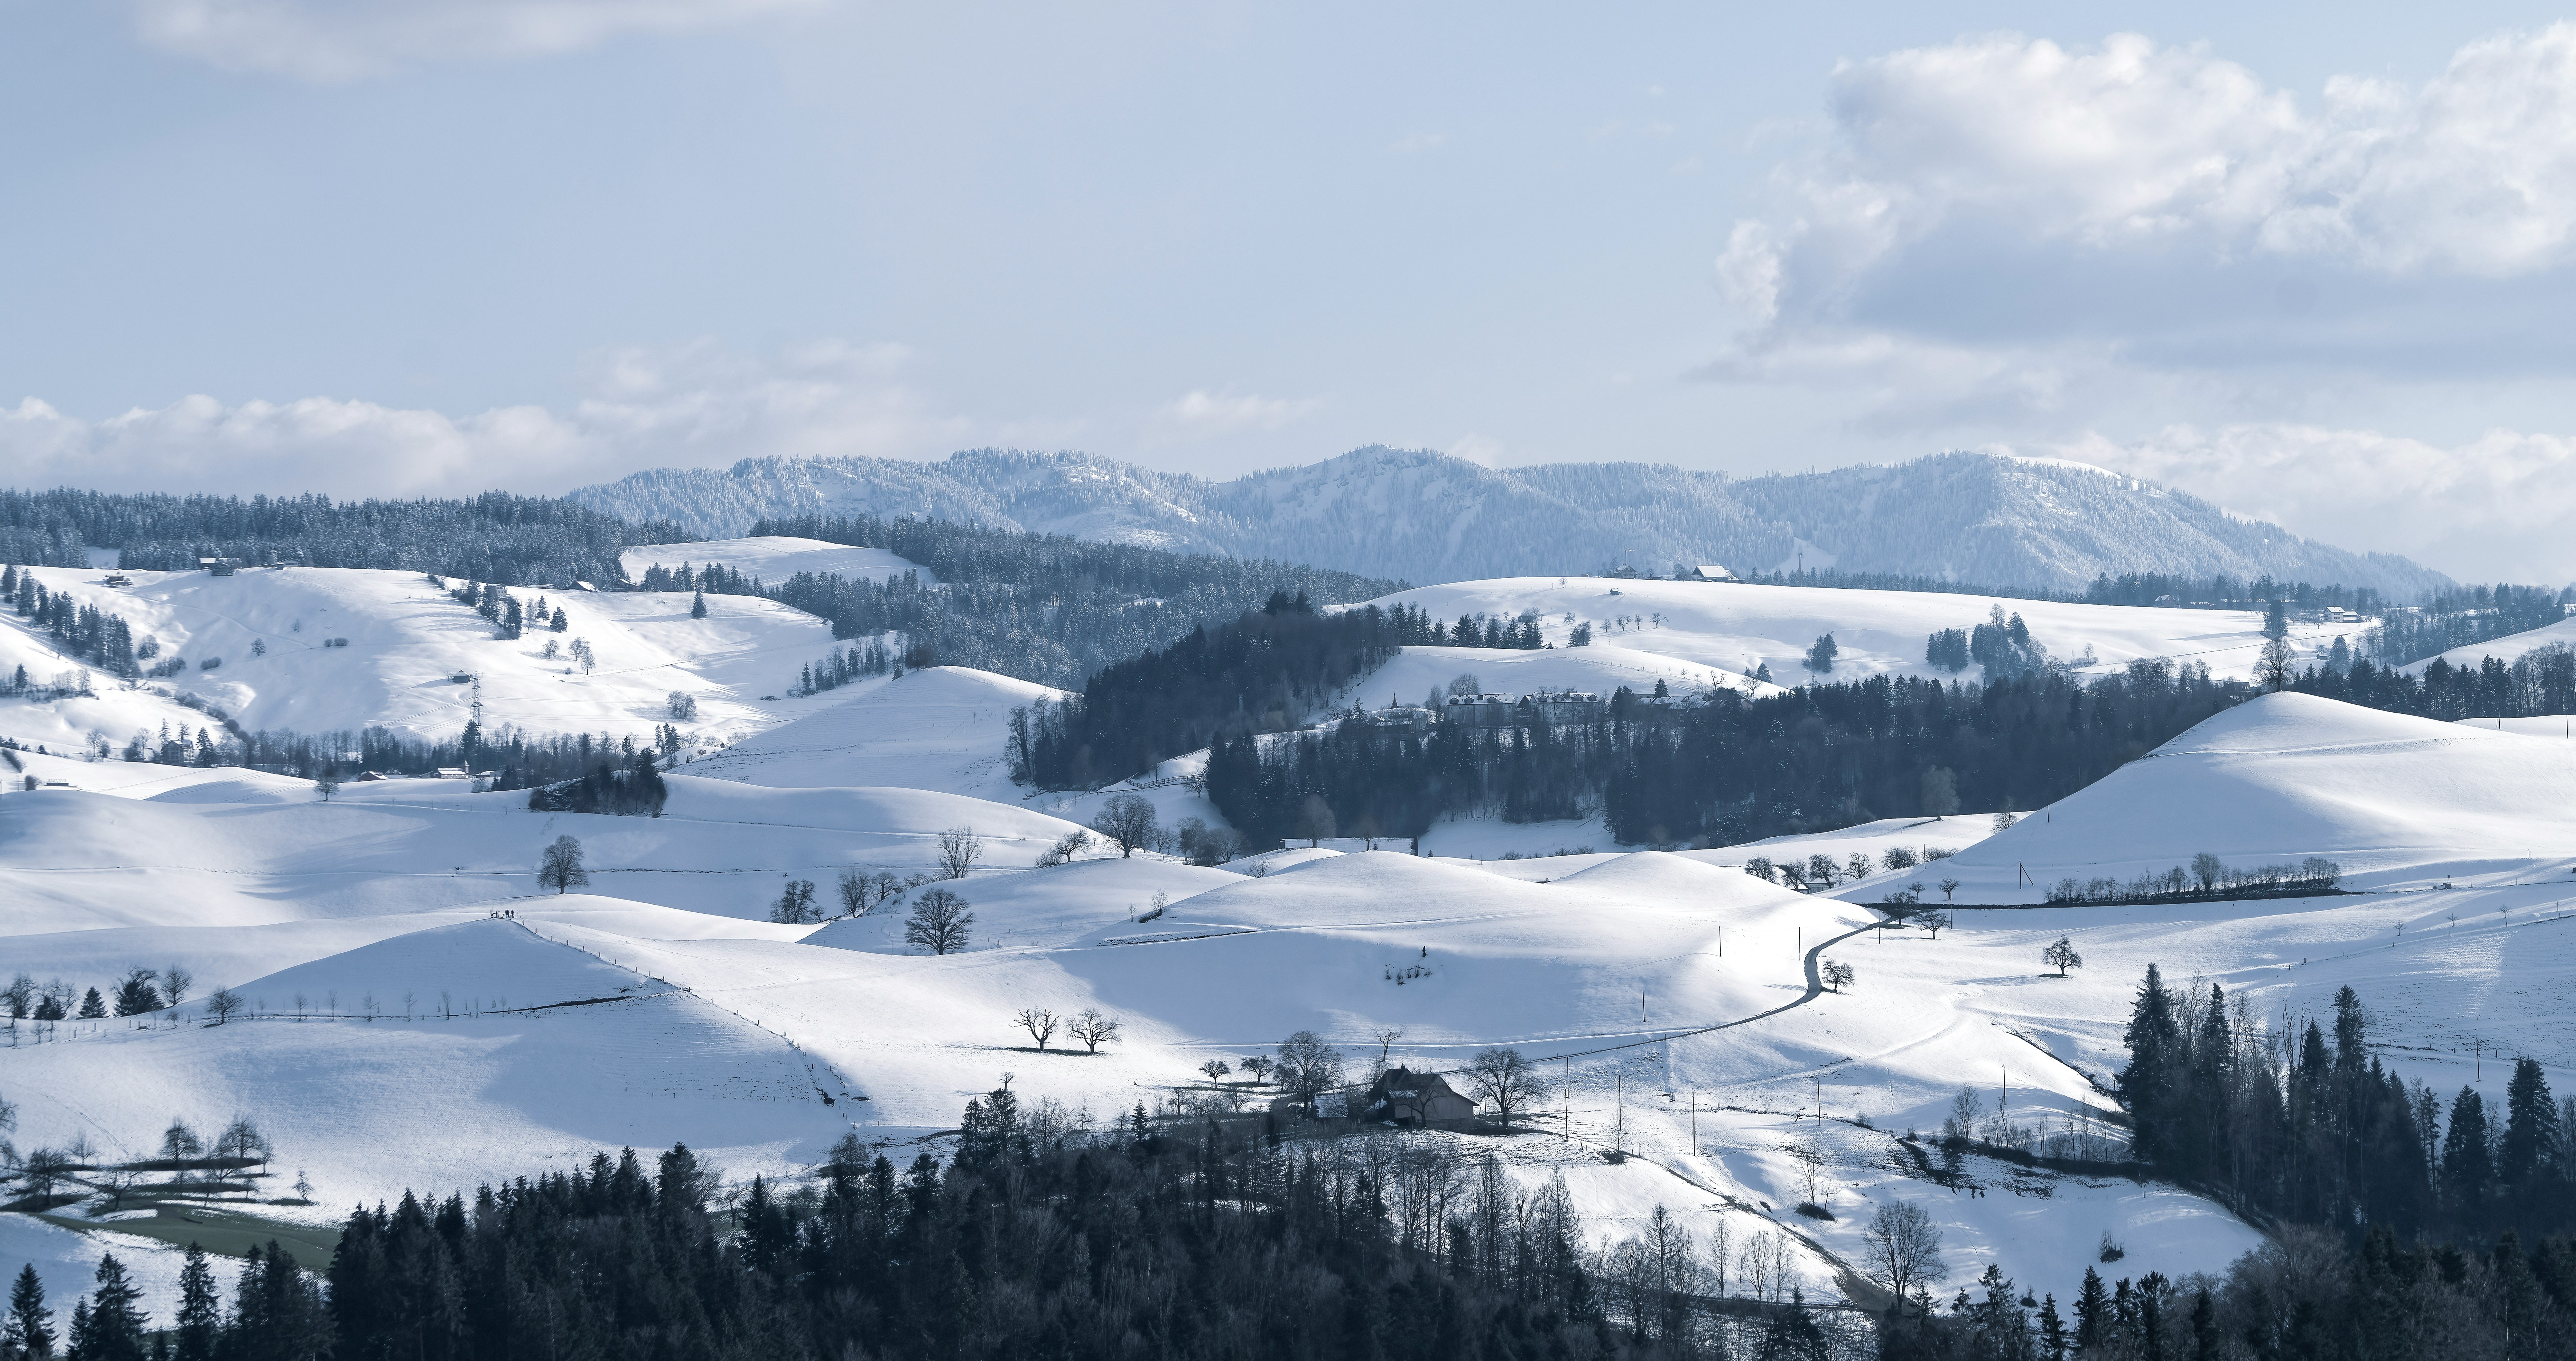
x: 2208, y: 877
x: 1728, y: 769
x: 520, y: 540
x: 2311, y: 1128
x: 141, y: 990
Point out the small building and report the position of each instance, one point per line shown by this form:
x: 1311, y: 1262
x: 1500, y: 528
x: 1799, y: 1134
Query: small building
x: 1480, y: 711
x: 1556, y: 708
x: 1398, y: 720
x: 116, y: 579
x: 1710, y: 571
x: 454, y: 773
x: 1414, y: 1100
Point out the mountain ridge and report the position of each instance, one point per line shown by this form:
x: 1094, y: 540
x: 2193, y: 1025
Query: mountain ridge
x: 1430, y: 517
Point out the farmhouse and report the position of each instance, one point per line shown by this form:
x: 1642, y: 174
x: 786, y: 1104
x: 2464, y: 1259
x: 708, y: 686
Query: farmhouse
x: 1414, y: 1100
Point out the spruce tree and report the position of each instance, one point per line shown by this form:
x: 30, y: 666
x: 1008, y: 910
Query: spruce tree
x: 2155, y: 1052
x: 2092, y: 1314
x: 698, y: 606
x: 201, y: 1309
x: 93, y: 1007
x: 2530, y: 1133
x: 2468, y: 1164
x: 116, y: 1323
x: 31, y: 1324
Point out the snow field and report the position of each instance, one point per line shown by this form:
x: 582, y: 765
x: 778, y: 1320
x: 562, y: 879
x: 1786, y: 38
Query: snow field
x: 407, y: 639
x: 942, y: 728
x: 774, y: 559
x: 1739, y: 628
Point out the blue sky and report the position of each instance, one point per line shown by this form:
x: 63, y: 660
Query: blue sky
x: 2311, y: 264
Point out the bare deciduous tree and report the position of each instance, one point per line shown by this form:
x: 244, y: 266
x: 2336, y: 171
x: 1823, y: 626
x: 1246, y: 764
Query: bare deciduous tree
x: 1094, y: 1029
x: 175, y: 982
x: 1506, y: 1081
x: 1902, y: 1248
x: 1837, y: 975
x: 560, y: 868
x: 959, y: 849
x: 1129, y: 821
x: 1934, y: 921
x: 223, y: 1004
x: 939, y: 922
x: 1216, y: 1069
x: 1307, y: 1066
x: 2060, y: 955
x: 1039, y: 1022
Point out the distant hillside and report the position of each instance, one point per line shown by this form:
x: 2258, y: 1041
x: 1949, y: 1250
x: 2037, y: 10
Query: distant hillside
x: 1427, y: 517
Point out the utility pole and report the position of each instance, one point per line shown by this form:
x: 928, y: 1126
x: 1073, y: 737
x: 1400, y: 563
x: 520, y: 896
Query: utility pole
x: 1820, y: 1098
x: 1568, y: 1117
x: 1694, y: 1122
x: 1619, y: 1122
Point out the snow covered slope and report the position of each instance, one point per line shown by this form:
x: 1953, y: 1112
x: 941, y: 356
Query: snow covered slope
x: 2395, y: 800
x: 774, y: 559
x: 407, y: 640
x: 1740, y: 628
x: 941, y: 728
x: 2506, y: 649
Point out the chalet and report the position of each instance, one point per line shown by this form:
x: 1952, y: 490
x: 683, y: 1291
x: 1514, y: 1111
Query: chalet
x: 1710, y: 571
x: 1414, y: 1100
x: 116, y: 579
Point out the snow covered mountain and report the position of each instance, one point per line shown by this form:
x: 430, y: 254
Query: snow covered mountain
x: 1428, y: 517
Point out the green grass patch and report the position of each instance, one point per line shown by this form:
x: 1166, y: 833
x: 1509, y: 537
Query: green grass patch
x: 226, y: 1232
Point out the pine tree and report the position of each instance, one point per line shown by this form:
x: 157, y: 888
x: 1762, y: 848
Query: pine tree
x: 116, y: 1324
x: 2530, y: 1131
x: 2092, y: 1314
x: 93, y: 1007
x: 201, y: 1310
x: 2468, y: 1164
x: 2155, y: 1050
x: 31, y: 1324
x: 698, y: 606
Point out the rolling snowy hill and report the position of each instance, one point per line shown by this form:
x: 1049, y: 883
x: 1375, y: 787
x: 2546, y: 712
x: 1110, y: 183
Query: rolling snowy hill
x: 1430, y: 517
x: 774, y: 559
x: 1681, y: 629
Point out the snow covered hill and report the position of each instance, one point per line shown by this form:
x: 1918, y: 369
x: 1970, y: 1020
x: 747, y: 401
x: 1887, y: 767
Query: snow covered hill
x: 2397, y: 801
x: 940, y: 728
x: 1429, y: 517
x: 264, y: 646
x: 1680, y: 629
x: 774, y: 559
x: 2507, y: 649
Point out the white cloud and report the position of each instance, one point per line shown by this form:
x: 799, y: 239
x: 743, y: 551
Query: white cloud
x: 1475, y: 448
x: 1208, y: 415
x: 2494, y: 508
x: 2131, y: 145
x: 695, y: 405
x: 332, y: 40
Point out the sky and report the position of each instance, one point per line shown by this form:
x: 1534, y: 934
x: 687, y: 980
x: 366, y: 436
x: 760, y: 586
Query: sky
x: 2313, y: 263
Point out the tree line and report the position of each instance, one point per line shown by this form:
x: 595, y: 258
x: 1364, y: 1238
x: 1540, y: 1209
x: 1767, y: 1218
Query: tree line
x: 1037, y: 1238
x: 518, y: 540
x: 1724, y: 768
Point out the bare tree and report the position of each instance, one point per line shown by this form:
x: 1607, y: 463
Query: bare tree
x: 1039, y: 1022
x: 1902, y: 1248
x: 959, y: 849
x: 1858, y: 867
x: 1508, y: 1082
x: 1949, y: 888
x: 939, y: 922
x: 560, y: 867
x: 2060, y: 955
x: 1386, y: 1036
x: 1821, y: 870
x: 1934, y: 921
x: 1307, y: 1066
x: 175, y: 982
x: 1094, y: 1029
x: 1066, y: 847
x: 857, y: 894
x: 1216, y: 1069
x: 1259, y: 1066
x: 1837, y: 975
x: 1127, y: 820
x: 1811, y: 1164
x: 327, y: 786
x: 223, y: 1004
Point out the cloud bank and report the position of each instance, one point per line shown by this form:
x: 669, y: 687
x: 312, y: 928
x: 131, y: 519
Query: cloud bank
x: 338, y: 40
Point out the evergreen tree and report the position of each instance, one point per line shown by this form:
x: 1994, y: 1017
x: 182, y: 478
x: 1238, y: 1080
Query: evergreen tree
x: 2092, y: 1314
x: 199, y: 1322
x: 31, y: 1324
x: 2148, y: 1084
x: 93, y: 1007
x: 2468, y: 1161
x: 2531, y: 1134
x: 698, y: 606
x: 116, y: 1323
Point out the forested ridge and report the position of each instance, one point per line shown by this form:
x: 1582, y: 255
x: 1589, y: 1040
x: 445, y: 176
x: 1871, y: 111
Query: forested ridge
x: 495, y: 537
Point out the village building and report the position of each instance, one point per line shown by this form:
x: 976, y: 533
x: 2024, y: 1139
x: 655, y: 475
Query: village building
x: 1414, y: 1100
